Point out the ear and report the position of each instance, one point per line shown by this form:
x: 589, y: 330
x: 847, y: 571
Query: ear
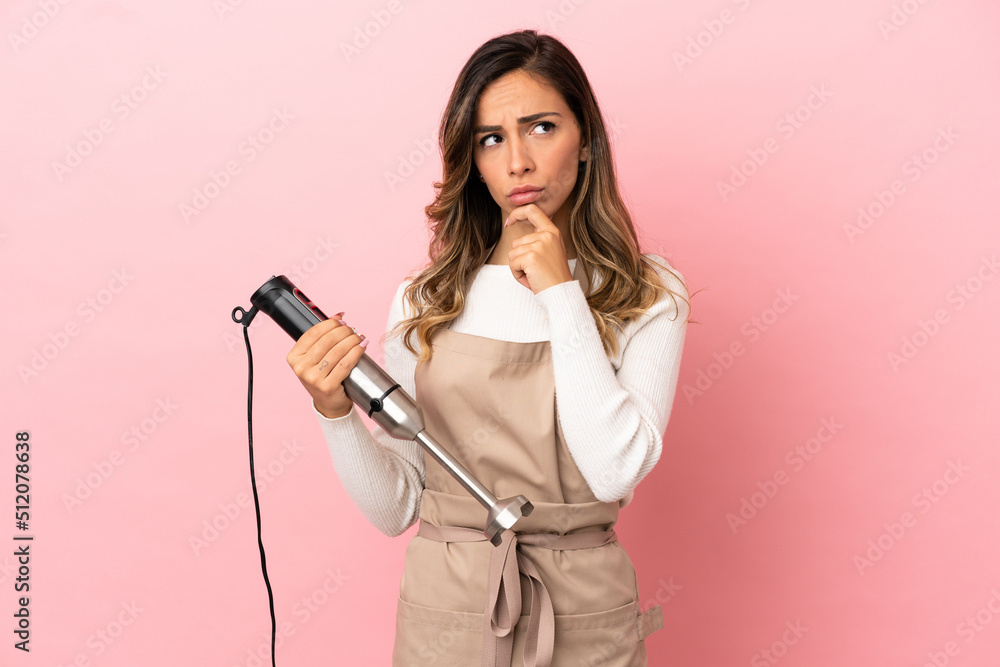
x: 584, y: 152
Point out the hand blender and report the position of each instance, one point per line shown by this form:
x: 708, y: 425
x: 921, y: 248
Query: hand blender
x: 382, y: 399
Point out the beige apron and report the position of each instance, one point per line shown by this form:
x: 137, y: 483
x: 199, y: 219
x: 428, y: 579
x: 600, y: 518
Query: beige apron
x: 561, y: 590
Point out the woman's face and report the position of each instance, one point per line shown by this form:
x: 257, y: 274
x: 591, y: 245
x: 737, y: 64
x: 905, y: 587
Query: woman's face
x: 525, y: 134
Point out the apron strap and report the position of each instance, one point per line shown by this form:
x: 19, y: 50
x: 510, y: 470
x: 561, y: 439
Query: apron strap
x: 503, y: 593
x: 650, y: 621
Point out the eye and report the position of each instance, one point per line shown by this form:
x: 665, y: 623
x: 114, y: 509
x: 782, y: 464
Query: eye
x: 482, y: 142
x: 551, y: 126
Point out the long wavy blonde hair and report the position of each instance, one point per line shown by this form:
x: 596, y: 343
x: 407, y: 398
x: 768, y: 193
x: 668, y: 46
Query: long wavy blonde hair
x: 465, y: 220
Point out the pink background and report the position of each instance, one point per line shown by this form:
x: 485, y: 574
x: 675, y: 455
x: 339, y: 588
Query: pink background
x: 870, y: 347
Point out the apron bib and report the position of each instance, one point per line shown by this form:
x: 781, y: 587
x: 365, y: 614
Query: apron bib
x: 560, y: 591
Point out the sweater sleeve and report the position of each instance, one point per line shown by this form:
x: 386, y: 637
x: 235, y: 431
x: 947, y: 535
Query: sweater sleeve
x: 382, y: 474
x: 614, y: 419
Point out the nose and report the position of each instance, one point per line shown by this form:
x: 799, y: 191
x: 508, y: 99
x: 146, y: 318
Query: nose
x: 519, y: 156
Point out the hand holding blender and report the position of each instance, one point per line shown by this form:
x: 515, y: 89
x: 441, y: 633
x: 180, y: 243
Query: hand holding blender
x: 330, y: 361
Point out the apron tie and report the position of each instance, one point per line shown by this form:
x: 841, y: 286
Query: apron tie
x: 503, y: 593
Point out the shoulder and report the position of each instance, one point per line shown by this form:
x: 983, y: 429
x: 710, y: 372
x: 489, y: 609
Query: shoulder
x: 674, y: 300
x: 399, y: 308
x: 671, y: 277
x: 662, y: 324
x: 670, y: 300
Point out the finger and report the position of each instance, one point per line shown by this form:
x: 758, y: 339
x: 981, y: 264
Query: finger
x: 353, y: 355
x: 531, y: 214
x: 335, y: 332
x: 312, y: 334
x: 334, y: 368
x: 529, y: 238
x: 517, y: 252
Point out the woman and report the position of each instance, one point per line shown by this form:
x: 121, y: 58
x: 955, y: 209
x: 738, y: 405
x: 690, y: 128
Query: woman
x: 545, y: 359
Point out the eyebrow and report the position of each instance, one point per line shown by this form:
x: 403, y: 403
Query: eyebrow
x: 520, y: 121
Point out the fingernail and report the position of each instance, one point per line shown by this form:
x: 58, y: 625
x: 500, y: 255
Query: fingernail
x: 364, y: 343
x: 338, y: 315
x: 340, y: 320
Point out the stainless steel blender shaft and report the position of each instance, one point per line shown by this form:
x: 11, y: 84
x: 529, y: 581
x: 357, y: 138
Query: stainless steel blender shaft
x: 457, y: 470
x: 372, y: 389
x: 503, y: 514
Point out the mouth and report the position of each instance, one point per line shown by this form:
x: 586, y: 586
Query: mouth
x: 524, y: 195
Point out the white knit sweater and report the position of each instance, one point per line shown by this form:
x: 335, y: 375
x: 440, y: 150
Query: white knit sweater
x: 613, y: 412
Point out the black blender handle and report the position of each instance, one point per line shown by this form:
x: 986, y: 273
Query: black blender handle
x: 287, y: 305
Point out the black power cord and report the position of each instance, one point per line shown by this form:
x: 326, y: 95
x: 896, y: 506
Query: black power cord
x: 247, y: 316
